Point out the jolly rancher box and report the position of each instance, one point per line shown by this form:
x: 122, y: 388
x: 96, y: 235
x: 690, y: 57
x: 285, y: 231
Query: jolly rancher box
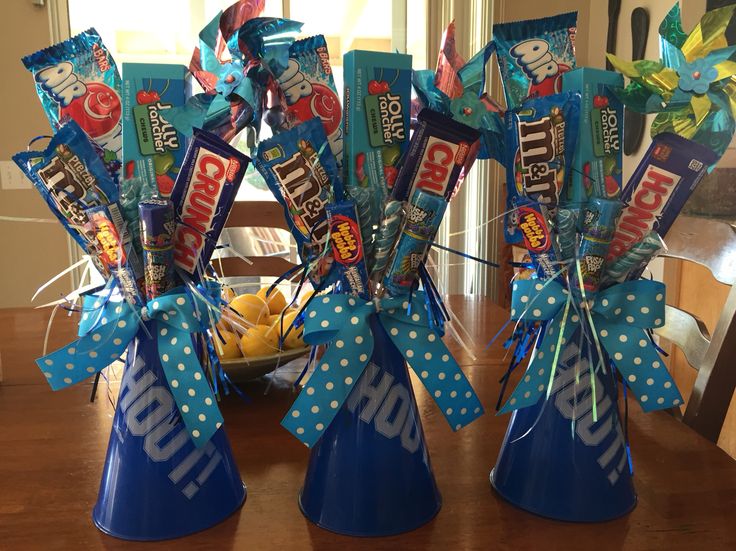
x: 152, y: 148
x: 597, y: 165
x: 377, y: 98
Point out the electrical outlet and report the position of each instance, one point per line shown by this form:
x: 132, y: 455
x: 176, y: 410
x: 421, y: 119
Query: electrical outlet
x: 12, y: 177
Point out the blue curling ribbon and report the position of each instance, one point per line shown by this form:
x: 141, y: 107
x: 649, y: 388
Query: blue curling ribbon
x: 106, y: 329
x: 621, y: 315
x: 342, y: 321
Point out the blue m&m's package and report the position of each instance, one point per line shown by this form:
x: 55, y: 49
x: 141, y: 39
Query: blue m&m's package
x: 78, y: 79
x: 532, y: 55
x: 301, y: 172
x: 71, y: 178
x: 540, y: 144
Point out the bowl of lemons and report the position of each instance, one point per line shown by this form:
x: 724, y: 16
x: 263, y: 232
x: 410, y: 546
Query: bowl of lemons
x: 250, y: 331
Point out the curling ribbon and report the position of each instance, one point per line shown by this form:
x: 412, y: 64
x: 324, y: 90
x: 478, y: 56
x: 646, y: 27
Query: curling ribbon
x: 342, y: 321
x: 621, y: 315
x: 106, y: 329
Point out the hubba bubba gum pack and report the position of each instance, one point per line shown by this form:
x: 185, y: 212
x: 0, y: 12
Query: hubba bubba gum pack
x: 347, y: 248
x: 78, y: 79
x: 532, y: 55
x: 540, y: 142
x: 300, y: 171
x: 376, y: 120
x: 598, y: 161
x: 153, y: 148
x: 538, y: 240
x: 666, y: 176
x: 310, y: 90
x: 203, y: 195
x: 428, y: 179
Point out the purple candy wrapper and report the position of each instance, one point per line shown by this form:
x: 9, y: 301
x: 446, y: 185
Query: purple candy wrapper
x: 435, y: 158
x: 666, y: 176
x: 157, y: 239
x: 203, y: 195
x: 347, y: 248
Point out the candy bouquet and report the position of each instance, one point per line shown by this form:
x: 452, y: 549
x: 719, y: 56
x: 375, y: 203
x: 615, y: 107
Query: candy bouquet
x: 584, y: 314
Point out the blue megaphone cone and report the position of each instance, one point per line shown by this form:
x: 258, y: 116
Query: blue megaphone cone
x: 569, y: 471
x: 369, y: 474
x: 155, y: 483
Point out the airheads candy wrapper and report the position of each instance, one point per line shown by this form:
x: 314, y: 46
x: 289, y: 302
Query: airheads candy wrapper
x: 112, y: 254
x: 538, y: 240
x: 71, y: 178
x: 666, y: 176
x: 300, y: 171
x: 532, y: 55
x: 540, y: 143
x: 309, y: 88
x: 203, y: 195
x: 423, y: 218
x: 347, y: 248
x: 437, y: 153
x: 78, y: 78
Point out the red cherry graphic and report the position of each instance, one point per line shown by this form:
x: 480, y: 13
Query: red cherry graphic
x: 600, y: 101
x: 390, y: 173
x: 97, y: 112
x: 322, y: 103
x: 165, y: 184
x: 378, y: 87
x: 146, y: 96
x: 129, y: 169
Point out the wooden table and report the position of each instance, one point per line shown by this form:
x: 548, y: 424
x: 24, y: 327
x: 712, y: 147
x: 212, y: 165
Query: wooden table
x: 52, y: 446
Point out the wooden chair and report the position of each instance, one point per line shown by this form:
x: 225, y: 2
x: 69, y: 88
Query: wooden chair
x: 254, y: 214
x: 712, y: 244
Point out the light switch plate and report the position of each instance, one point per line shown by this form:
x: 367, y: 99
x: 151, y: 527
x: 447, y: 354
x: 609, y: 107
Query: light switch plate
x: 12, y: 177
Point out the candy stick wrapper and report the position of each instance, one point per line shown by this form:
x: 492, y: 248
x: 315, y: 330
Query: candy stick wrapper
x: 423, y: 219
x: 567, y: 220
x: 71, y: 178
x: 300, y: 171
x: 540, y: 143
x: 388, y: 233
x: 630, y: 264
x: 436, y: 155
x: 532, y: 55
x: 347, y: 248
x: 78, y: 78
x: 203, y: 195
x: 112, y: 253
x: 310, y: 90
x: 157, y: 237
x: 666, y: 176
x: 599, y: 223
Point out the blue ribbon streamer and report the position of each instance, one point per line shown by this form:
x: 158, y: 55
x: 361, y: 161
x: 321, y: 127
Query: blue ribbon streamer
x: 342, y: 321
x: 621, y: 315
x: 106, y: 329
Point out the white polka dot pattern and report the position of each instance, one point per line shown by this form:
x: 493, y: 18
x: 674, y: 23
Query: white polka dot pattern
x: 621, y: 315
x: 341, y: 366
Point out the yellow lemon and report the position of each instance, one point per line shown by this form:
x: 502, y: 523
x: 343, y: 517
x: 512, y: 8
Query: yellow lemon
x: 251, y: 308
x: 228, y: 350
x: 256, y: 342
x: 276, y: 300
x: 295, y: 336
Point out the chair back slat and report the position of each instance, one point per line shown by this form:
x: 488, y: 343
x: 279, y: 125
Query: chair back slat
x: 687, y: 332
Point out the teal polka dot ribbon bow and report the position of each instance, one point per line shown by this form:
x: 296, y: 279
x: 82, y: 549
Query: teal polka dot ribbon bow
x: 342, y: 321
x: 106, y: 329
x: 619, y: 317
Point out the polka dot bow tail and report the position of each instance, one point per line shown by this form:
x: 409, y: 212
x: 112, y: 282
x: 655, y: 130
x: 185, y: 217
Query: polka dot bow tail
x: 619, y: 317
x: 343, y: 322
x: 108, y: 327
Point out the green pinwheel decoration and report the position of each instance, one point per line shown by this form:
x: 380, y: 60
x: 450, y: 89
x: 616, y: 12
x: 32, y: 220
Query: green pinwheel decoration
x: 692, y: 88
